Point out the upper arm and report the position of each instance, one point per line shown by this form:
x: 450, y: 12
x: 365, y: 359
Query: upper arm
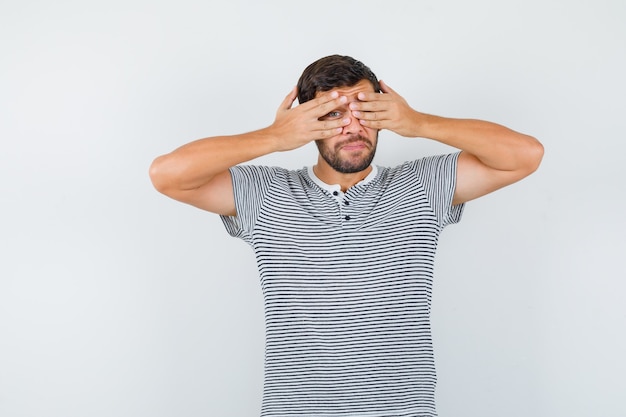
x: 216, y: 196
x: 475, y: 179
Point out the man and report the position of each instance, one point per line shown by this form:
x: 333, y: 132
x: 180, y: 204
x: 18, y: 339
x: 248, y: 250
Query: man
x: 345, y: 249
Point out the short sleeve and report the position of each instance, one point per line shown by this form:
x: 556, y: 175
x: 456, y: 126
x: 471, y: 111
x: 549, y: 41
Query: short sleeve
x: 438, y: 176
x: 250, y: 185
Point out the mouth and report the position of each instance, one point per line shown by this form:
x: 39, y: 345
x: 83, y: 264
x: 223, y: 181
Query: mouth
x: 356, y: 144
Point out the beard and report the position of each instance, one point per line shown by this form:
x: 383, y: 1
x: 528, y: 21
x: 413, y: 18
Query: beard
x: 347, y: 165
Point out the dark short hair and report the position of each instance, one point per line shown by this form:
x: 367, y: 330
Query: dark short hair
x: 331, y: 72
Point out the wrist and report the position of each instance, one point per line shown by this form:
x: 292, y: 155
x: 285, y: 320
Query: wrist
x: 271, y: 139
x: 418, y: 125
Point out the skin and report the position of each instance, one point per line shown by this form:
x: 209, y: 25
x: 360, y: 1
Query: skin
x: 353, y: 145
x: 492, y: 156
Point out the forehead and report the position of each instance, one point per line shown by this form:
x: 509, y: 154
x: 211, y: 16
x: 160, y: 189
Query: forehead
x: 363, y: 86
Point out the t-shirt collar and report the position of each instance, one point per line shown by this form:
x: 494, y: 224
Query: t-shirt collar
x: 336, y: 187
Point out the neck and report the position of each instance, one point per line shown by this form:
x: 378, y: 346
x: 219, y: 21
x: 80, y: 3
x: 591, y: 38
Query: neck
x: 328, y: 175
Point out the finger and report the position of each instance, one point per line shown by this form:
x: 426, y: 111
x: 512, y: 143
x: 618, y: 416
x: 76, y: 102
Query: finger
x: 371, y: 96
x: 324, y: 107
x: 322, y: 125
x: 385, y: 88
x: 374, y: 124
x: 366, y: 106
x: 289, y: 99
x: 371, y: 115
x: 328, y: 133
x: 318, y: 101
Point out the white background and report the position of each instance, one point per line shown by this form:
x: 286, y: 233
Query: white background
x: 115, y: 301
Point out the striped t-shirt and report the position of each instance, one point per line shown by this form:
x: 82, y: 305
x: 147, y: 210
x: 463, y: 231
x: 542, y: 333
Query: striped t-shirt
x: 347, y: 285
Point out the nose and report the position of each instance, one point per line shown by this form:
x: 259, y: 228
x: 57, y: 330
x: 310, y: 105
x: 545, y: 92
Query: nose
x: 354, y: 126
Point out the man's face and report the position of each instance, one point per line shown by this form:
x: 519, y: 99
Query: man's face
x: 353, y: 149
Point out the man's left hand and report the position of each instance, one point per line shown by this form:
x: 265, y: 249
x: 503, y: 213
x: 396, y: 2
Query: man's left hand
x: 386, y: 111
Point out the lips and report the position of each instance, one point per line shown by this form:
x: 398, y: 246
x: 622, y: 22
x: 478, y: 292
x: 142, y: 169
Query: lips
x: 355, y: 144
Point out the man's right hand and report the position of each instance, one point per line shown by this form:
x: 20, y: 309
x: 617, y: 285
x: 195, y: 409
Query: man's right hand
x: 197, y: 173
x: 296, y: 126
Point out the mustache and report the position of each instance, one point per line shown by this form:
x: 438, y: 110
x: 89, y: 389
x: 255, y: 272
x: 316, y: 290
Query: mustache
x: 354, y: 138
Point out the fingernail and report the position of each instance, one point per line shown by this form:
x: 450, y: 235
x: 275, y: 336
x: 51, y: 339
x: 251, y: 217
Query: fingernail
x: 334, y: 94
x: 346, y: 121
x: 343, y: 99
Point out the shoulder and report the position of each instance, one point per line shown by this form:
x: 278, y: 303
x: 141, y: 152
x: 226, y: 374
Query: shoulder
x: 434, y: 162
x: 261, y: 172
x: 425, y: 166
x: 258, y: 169
x: 265, y: 177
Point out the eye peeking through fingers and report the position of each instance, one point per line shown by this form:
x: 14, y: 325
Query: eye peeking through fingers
x: 335, y: 114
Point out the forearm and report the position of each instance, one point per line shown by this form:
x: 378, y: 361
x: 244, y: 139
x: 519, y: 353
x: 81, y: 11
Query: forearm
x: 496, y: 146
x: 195, y: 164
x: 493, y: 156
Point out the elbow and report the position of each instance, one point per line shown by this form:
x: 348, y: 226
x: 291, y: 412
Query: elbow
x: 158, y: 174
x: 534, y: 155
x: 528, y: 158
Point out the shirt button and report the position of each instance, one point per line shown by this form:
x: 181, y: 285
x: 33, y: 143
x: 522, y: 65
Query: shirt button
x: 347, y: 217
x: 335, y: 193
